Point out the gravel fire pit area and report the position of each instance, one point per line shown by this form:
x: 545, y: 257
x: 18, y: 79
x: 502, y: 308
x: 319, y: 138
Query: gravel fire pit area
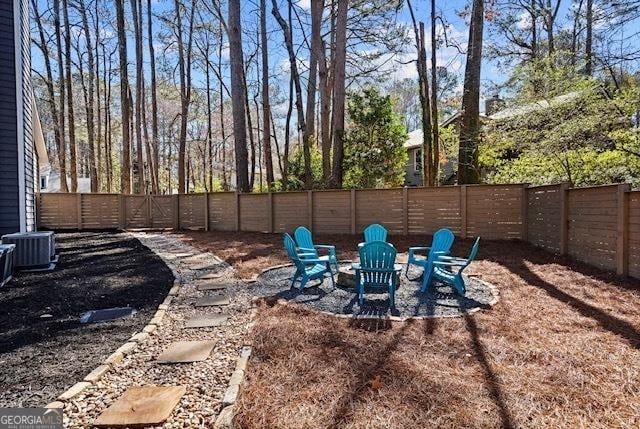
x: 438, y: 301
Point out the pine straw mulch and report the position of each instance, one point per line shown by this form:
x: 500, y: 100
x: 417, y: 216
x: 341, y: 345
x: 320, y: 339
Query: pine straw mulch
x: 560, y: 349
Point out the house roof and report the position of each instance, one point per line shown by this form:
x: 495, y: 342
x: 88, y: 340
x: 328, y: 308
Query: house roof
x: 512, y: 112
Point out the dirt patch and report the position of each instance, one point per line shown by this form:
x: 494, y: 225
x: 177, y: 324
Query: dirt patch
x: 560, y: 349
x: 42, y: 356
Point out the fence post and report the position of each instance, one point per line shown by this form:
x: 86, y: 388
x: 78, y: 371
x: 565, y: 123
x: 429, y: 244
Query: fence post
x: 270, y: 217
x: 525, y: 213
x: 206, y: 211
x: 310, y: 210
x: 564, y: 218
x: 352, y: 206
x: 405, y: 211
x: 622, y: 236
x: 463, y: 211
x: 148, y: 214
x: 237, y: 195
x: 176, y: 211
x: 121, y: 212
x: 79, y: 210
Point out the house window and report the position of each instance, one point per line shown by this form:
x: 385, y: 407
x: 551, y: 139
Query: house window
x: 43, y: 182
x: 417, y: 160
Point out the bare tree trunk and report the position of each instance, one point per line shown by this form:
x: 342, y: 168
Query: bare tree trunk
x: 317, y: 6
x: 325, y: 114
x: 266, y: 107
x: 237, y: 94
x: 125, y: 181
x: 435, y: 139
x: 252, y: 143
x: 137, y: 30
x: 154, y: 100
x: 184, y: 64
x: 468, y: 170
x: 339, y: 92
x: 287, y: 134
x: 55, y: 116
x: 225, y: 182
x: 98, y: 113
x: 73, y: 157
x: 62, y: 150
x: 93, y: 172
x: 588, y: 67
x: 293, y: 64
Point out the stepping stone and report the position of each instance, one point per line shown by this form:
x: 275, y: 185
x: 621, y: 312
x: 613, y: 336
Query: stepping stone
x: 210, y: 265
x: 204, y: 285
x: 212, y: 301
x: 206, y: 321
x: 142, y: 406
x: 211, y: 276
x: 187, y: 351
x: 181, y: 254
x: 94, y: 316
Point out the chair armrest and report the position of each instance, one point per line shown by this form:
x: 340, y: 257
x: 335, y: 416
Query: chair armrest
x: 306, y: 249
x: 305, y: 255
x: 325, y: 246
x: 461, y: 263
x: 451, y: 258
x: 314, y: 261
x: 419, y: 248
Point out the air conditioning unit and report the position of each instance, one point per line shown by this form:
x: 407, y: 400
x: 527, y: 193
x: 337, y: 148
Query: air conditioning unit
x: 33, y: 249
x: 6, y: 263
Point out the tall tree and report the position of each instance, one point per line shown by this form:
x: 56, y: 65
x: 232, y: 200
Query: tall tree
x: 266, y: 106
x: 435, y: 138
x: 136, y: 17
x: 125, y: 168
x: 154, y: 100
x: 295, y: 76
x: 90, y: 101
x: 238, y: 94
x: 58, y: 133
x: 339, y: 91
x: 588, y: 46
x: 468, y: 170
x: 73, y: 148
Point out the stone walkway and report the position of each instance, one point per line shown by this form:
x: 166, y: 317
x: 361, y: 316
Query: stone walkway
x: 222, y: 324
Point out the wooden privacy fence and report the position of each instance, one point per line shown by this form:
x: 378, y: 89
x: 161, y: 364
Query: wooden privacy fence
x: 491, y: 211
x: 598, y: 225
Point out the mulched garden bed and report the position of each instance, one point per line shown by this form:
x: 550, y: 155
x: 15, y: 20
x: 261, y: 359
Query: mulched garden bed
x: 438, y: 301
x: 44, y: 349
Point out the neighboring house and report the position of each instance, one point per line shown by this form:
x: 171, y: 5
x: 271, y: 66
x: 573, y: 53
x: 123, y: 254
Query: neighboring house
x: 18, y: 173
x: 413, y: 176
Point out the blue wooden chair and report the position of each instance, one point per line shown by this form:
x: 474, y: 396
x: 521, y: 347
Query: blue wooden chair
x: 375, y: 232
x: 377, y: 269
x: 307, y: 267
x: 440, y: 246
x: 444, y: 269
x: 305, y: 245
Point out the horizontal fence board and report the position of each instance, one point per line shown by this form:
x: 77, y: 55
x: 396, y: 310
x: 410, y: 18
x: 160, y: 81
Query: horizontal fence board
x: 222, y: 211
x: 332, y: 212
x: 430, y: 209
x: 58, y: 211
x: 192, y: 211
x: 290, y: 210
x: 592, y: 226
x: 100, y: 211
x: 544, y: 213
x: 382, y: 206
x: 494, y: 212
x: 254, y: 212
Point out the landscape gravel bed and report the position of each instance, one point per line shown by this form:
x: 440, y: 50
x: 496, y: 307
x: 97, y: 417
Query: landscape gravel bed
x: 205, y: 381
x: 439, y: 301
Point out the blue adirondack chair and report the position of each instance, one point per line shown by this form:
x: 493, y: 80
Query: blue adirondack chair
x: 440, y: 246
x: 375, y: 232
x: 444, y: 269
x: 305, y: 245
x: 377, y: 269
x: 307, y: 267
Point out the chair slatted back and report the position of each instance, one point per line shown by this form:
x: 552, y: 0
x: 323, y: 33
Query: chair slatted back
x: 377, y: 260
x: 303, y: 237
x: 290, y: 247
x: 442, y: 241
x: 375, y: 232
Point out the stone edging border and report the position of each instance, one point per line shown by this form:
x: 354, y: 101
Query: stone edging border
x: 127, y: 348
x: 227, y: 414
x: 492, y: 287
